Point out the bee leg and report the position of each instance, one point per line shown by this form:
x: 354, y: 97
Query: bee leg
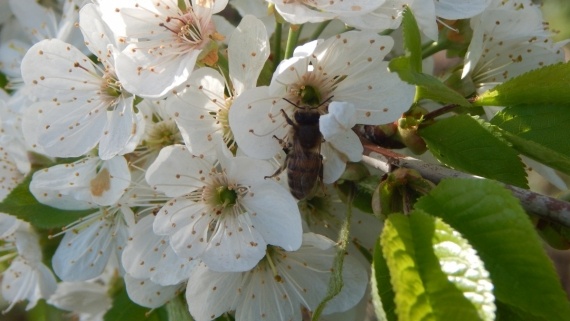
x: 280, y: 169
x: 284, y: 145
x: 288, y: 120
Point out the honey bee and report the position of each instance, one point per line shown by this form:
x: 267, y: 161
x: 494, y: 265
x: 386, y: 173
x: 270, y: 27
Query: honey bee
x: 304, y: 161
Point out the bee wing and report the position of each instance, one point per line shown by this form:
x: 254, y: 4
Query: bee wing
x: 258, y: 124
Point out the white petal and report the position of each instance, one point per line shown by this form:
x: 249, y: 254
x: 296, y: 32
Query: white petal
x: 149, y: 256
x: 8, y: 225
x: 235, y: 245
x: 151, y: 77
x: 378, y: 100
x: 65, y: 186
x: 247, y: 52
x: 57, y: 70
x: 38, y: 22
x: 341, y: 117
x: 9, y: 175
x: 187, y: 223
x: 81, y: 297
x: 25, y: 281
x: 459, y: 9
x: 424, y: 12
x: 176, y: 172
x: 548, y: 173
x: 245, y: 170
x: 70, y: 129
x: 11, y: 54
x: 209, y: 293
x: 149, y: 294
x: 81, y: 184
x: 333, y: 163
x: 275, y: 215
x: 257, y: 122
x: 83, y: 255
x: 348, y: 144
x: 95, y: 31
x: 121, y: 126
x: 196, y: 108
x: 265, y: 299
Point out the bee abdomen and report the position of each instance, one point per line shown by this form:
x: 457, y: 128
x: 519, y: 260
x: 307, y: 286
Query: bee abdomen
x: 303, y: 171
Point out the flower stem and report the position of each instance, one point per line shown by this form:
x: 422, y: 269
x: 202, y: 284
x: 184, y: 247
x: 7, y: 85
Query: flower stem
x: 277, y: 45
x: 292, y: 40
x: 317, y: 33
x: 436, y: 46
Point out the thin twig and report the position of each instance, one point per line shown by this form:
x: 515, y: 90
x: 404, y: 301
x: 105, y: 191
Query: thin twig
x: 546, y: 207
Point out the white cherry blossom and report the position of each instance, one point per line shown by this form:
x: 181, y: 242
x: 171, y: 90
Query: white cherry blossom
x: 224, y: 214
x: 344, y: 68
x: 84, y: 184
x: 150, y: 256
x: 201, y: 108
x: 88, y: 300
x: 93, y: 242
x: 27, y: 277
x: 278, y: 287
x: 509, y: 38
x: 148, y: 294
x: 163, y: 41
x: 426, y: 12
x: 302, y: 11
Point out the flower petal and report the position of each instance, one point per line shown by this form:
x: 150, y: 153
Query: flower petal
x: 247, y: 52
x: 235, y: 245
x: 149, y: 256
x: 176, y: 172
x: 149, y: 294
x: 275, y: 215
x: 257, y: 122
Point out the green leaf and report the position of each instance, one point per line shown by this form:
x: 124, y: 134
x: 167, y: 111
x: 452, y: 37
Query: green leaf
x: 539, y: 152
x: 177, y: 310
x: 423, y: 290
x: 546, y: 85
x: 428, y: 87
x: 500, y: 231
x: 383, y: 293
x: 465, y: 144
x: 535, y: 131
x: 397, y: 247
x: 412, y: 40
x: 124, y: 309
x: 22, y: 204
x: 464, y: 268
x: 542, y: 124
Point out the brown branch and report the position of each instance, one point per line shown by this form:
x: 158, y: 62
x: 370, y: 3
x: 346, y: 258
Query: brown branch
x: 546, y: 207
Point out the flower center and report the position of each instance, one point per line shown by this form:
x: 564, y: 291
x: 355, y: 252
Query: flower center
x: 222, y: 118
x: 222, y: 195
x: 310, y: 95
x: 111, y: 89
x: 226, y: 197
x: 163, y: 133
x: 190, y: 29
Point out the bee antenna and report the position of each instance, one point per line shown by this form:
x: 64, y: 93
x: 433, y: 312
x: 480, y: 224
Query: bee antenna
x: 292, y: 103
x: 326, y: 101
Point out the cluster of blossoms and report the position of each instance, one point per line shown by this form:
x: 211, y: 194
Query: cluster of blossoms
x: 164, y: 122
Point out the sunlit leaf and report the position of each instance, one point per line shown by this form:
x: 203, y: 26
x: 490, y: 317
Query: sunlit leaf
x: 546, y: 85
x: 466, y: 144
x: 495, y: 224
